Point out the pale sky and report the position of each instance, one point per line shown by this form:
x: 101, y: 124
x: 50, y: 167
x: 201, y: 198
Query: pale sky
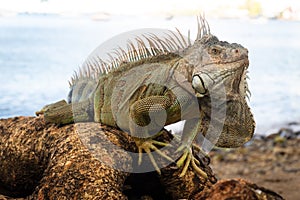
x: 133, y: 6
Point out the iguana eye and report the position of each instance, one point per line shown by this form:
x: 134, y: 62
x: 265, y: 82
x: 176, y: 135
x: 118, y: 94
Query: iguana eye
x: 215, y: 50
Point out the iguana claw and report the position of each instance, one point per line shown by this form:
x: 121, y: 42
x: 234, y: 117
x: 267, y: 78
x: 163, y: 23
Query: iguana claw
x: 148, y: 145
x: 188, y: 158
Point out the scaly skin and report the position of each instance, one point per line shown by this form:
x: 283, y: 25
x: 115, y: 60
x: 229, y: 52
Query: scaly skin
x: 143, y: 96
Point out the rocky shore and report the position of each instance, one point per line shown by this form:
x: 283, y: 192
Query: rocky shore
x: 43, y: 161
x: 270, y: 161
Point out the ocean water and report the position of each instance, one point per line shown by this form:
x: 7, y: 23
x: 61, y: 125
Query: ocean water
x: 38, y: 55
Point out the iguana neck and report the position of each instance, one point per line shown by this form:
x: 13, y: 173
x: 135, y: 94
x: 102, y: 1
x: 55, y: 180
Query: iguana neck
x: 183, y: 67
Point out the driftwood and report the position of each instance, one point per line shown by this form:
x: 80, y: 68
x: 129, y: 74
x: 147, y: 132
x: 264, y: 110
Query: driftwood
x: 44, y: 161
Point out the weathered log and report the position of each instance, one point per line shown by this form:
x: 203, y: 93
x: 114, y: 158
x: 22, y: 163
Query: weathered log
x: 43, y: 161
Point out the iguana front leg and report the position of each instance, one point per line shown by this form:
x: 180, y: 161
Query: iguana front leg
x: 191, y: 128
x: 147, y: 118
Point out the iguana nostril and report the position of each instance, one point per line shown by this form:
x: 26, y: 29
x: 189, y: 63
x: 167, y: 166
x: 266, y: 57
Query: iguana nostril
x: 236, y: 51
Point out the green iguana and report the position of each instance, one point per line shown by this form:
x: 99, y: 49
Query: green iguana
x: 145, y: 88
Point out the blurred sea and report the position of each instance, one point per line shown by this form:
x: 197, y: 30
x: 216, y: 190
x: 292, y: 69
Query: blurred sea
x: 39, y: 53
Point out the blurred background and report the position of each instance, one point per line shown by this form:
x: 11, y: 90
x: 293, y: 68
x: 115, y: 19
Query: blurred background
x: 42, y: 42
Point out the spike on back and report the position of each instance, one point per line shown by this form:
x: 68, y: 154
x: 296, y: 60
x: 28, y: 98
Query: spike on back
x: 142, y: 47
x: 203, y: 27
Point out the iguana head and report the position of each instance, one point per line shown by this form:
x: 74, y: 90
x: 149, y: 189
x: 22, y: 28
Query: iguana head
x: 219, y: 81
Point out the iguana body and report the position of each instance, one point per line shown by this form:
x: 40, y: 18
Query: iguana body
x: 152, y: 87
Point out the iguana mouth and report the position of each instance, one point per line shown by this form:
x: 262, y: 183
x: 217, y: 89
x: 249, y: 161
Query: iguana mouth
x: 235, y: 77
x: 218, y: 75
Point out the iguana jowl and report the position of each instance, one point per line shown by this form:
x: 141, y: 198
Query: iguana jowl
x: 215, y: 70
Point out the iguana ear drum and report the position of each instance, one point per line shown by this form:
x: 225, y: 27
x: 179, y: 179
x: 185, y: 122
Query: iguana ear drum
x: 201, y: 83
x: 198, y: 84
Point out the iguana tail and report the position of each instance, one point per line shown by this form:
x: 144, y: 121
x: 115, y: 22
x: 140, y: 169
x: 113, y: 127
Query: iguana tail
x: 62, y: 113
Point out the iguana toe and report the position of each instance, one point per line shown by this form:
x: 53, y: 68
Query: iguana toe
x: 148, y: 145
x: 188, y: 159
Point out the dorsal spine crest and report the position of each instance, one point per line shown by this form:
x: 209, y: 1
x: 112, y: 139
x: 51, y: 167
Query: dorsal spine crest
x: 142, y: 47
